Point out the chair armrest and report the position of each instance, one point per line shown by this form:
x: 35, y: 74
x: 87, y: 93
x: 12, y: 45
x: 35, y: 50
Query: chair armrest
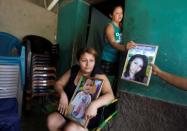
x: 103, y: 124
x: 107, y: 110
x: 113, y: 101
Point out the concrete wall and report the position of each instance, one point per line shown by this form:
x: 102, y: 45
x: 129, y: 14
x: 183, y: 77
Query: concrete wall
x: 20, y: 18
x: 42, y: 3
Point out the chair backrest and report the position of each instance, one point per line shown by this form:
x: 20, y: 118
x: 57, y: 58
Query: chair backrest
x: 12, y: 52
x: 39, y: 45
x: 41, y: 71
x: 9, y: 79
x: 9, y: 45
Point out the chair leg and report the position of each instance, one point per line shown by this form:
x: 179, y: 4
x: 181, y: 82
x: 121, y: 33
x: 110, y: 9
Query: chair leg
x: 108, y: 127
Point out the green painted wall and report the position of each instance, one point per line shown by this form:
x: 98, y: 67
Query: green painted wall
x: 163, y: 23
x: 71, y: 31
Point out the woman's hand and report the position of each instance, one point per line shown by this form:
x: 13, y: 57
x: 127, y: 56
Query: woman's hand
x: 63, y: 103
x: 130, y: 44
x: 91, y: 111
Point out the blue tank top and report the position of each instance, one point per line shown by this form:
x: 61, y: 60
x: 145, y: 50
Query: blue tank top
x: 109, y: 53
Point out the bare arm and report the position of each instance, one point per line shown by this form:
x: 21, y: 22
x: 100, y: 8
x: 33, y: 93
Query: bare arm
x: 107, y: 93
x: 59, y: 86
x: 170, y: 78
x: 106, y: 97
x: 110, y: 37
x: 61, y: 83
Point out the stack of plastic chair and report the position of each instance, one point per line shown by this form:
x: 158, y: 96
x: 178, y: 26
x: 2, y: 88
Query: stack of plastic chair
x: 40, y: 67
x: 9, y: 80
x: 12, y: 78
x: 43, y: 74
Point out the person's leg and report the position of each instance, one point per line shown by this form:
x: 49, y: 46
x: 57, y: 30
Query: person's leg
x: 55, y: 122
x: 72, y: 126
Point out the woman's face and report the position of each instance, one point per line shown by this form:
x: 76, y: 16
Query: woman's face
x: 117, y: 14
x: 136, y: 65
x: 87, y: 63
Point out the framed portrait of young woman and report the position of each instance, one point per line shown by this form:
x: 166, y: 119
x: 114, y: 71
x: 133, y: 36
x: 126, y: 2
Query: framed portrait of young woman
x: 86, y: 91
x: 137, y: 67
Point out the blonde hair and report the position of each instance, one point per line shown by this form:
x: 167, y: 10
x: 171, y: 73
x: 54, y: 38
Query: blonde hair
x: 93, y: 86
x: 86, y: 50
x: 93, y: 90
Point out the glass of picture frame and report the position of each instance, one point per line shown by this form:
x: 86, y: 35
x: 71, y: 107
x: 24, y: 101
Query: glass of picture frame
x: 137, y: 67
x: 86, y: 91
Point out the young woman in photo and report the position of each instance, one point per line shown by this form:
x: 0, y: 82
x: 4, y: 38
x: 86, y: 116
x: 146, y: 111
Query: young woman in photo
x: 136, y: 68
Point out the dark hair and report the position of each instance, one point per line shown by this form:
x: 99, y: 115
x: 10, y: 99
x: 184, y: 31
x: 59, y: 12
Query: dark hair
x: 112, y: 11
x: 139, y: 76
x: 86, y: 50
x: 114, y: 7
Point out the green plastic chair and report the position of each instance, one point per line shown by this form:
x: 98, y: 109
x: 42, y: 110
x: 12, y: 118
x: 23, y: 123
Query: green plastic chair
x: 105, y: 121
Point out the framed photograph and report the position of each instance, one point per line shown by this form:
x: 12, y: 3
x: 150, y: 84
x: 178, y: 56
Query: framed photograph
x: 86, y: 91
x: 137, y: 67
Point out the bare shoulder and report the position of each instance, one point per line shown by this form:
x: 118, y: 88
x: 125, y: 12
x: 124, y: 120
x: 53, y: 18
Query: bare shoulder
x: 104, y: 78
x: 101, y: 76
x: 109, y: 27
x: 65, y: 76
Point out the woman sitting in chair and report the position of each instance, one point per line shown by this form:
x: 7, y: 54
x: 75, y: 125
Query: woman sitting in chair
x: 66, y: 86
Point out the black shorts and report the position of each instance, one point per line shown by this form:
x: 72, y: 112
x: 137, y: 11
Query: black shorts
x: 94, y: 122
x: 102, y: 113
x: 109, y: 68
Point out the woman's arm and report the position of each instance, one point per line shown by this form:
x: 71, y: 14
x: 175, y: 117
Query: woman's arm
x: 106, y: 97
x: 61, y: 83
x: 109, y: 32
x: 59, y: 86
x: 172, y: 79
x: 107, y: 93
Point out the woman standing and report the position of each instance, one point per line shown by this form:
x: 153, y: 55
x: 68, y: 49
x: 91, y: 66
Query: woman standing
x: 113, y: 42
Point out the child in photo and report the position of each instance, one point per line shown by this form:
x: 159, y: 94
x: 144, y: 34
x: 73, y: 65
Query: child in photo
x: 83, y: 99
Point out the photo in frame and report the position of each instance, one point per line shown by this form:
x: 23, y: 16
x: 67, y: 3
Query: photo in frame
x: 137, y: 67
x: 87, y: 90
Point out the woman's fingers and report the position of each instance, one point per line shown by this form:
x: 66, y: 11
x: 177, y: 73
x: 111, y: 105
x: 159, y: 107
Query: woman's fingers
x: 88, y: 117
x: 130, y: 45
x: 62, y: 108
x: 133, y: 44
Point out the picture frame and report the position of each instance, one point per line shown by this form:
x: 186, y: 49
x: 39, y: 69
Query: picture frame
x: 87, y: 90
x: 137, y: 67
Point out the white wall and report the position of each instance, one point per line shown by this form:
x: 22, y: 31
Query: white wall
x: 20, y: 18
